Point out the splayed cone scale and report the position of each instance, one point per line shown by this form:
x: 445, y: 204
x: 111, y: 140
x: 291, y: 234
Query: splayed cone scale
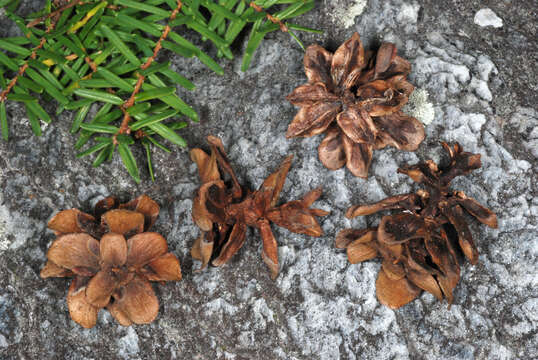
x: 114, y: 272
x: 419, y: 244
x: 223, y: 209
x: 354, y: 97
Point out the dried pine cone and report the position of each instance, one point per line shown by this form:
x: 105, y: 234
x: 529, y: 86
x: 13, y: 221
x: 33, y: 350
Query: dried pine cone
x: 223, y: 209
x: 115, y: 271
x: 364, y: 92
x: 419, y: 245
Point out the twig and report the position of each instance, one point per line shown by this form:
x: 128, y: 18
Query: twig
x: 270, y: 17
x: 22, y: 69
x: 91, y: 64
x: 54, y: 13
x: 33, y: 55
x: 124, y: 127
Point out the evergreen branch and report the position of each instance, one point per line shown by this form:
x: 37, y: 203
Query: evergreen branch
x: 102, y: 53
x: 24, y: 67
x: 20, y: 72
x: 54, y: 13
x: 270, y: 17
x: 124, y: 128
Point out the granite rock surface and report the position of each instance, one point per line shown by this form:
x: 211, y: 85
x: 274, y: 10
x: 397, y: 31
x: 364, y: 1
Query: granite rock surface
x: 478, y: 86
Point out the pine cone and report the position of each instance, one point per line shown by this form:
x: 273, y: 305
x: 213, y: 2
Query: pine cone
x: 115, y: 271
x: 420, y: 243
x: 364, y: 93
x: 223, y: 210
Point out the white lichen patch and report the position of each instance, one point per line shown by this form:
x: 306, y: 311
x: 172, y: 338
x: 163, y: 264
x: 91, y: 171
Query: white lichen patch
x: 219, y: 306
x: 4, y: 242
x: 486, y: 17
x: 128, y: 345
x: 3, y: 341
x: 15, y: 229
x: 408, y: 13
x: 447, y: 72
x: 4, y: 231
x: 345, y: 15
x: 419, y: 107
x: 262, y: 313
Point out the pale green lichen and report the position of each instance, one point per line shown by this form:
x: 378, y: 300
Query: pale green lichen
x: 346, y: 15
x: 419, y: 107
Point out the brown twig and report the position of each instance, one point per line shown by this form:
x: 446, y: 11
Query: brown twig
x: 124, y: 127
x: 90, y: 63
x: 22, y: 69
x: 139, y: 134
x: 54, y: 13
x: 270, y: 17
x: 33, y: 55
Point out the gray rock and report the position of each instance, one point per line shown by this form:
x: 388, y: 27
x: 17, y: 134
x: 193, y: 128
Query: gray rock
x: 486, y: 17
x: 482, y: 86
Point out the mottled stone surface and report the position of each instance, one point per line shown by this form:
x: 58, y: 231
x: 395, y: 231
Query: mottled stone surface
x: 482, y: 83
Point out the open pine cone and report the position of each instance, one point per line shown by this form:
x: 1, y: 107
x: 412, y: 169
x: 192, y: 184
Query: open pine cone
x: 363, y: 92
x: 115, y: 271
x: 420, y: 243
x: 223, y: 209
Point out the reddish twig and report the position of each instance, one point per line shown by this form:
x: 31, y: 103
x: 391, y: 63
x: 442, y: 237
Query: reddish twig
x: 90, y: 63
x: 54, y: 13
x: 22, y: 69
x: 124, y: 127
x: 139, y: 134
x: 270, y: 17
x: 33, y: 55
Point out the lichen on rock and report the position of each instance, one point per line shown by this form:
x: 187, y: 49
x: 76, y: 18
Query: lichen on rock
x: 419, y: 107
